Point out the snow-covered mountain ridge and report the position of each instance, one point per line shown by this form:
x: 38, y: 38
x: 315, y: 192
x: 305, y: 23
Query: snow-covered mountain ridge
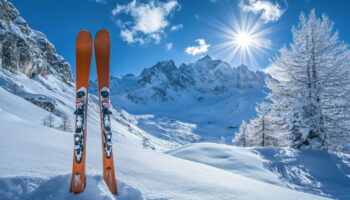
x: 209, y: 96
x: 164, y: 81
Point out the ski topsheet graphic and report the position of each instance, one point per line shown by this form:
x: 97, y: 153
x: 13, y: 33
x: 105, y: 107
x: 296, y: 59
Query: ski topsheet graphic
x: 83, y: 59
x: 102, y: 53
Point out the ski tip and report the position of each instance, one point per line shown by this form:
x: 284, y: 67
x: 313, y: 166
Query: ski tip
x: 84, y: 32
x: 102, y: 32
x: 84, y: 38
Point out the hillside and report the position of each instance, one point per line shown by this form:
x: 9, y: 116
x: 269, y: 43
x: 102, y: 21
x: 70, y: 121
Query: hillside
x: 43, y: 160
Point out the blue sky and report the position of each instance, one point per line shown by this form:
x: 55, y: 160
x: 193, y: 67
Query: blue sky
x: 146, y: 31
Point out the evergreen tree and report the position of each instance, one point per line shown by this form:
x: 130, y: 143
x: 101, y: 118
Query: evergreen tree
x: 310, y: 90
x: 261, y: 131
x: 240, y: 137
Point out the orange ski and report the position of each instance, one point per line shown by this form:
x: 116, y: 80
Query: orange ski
x: 102, y: 53
x: 83, y: 59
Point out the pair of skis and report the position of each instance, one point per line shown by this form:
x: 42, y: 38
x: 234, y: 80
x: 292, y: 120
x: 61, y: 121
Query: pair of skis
x: 83, y: 61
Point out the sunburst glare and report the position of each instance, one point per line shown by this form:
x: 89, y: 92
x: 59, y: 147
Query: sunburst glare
x: 243, y: 40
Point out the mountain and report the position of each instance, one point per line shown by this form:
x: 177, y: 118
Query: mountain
x: 193, y: 102
x: 164, y: 81
x: 26, y: 50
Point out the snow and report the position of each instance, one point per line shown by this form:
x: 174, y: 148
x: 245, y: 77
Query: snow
x: 212, y: 116
x: 311, y: 171
x: 35, y: 160
x: 82, y: 89
x: 235, y: 159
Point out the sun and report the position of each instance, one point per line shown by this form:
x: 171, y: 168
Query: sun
x: 243, y: 40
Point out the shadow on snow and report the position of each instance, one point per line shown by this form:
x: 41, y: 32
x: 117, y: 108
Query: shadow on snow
x: 312, y: 171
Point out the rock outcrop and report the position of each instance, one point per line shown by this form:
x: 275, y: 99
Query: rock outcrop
x: 28, y: 51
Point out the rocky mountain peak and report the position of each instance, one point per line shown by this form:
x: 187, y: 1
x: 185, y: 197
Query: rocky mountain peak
x: 8, y: 13
x: 28, y: 51
x: 205, y: 58
x: 165, y: 81
x: 166, y: 69
x: 165, y: 66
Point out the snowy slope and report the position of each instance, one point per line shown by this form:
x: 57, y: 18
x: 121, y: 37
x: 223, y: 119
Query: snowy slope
x: 36, y: 163
x: 63, y: 96
x: 312, y: 171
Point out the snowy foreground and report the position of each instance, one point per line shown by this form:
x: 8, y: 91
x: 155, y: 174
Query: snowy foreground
x: 36, y: 161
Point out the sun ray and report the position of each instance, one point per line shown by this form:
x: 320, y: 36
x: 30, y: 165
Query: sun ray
x: 243, y: 40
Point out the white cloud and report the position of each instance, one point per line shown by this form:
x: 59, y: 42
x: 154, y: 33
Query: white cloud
x: 268, y: 11
x: 145, y: 22
x: 201, y: 48
x: 169, y: 46
x: 129, y: 37
x: 176, y: 27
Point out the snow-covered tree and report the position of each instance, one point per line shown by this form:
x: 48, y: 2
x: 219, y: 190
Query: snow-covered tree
x: 66, y: 124
x: 310, y: 89
x: 240, y: 137
x: 222, y: 140
x: 261, y: 131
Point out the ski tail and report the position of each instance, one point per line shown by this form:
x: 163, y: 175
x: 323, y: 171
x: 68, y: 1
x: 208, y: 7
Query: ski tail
x: 102, y: 55
x: 83, y: 59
